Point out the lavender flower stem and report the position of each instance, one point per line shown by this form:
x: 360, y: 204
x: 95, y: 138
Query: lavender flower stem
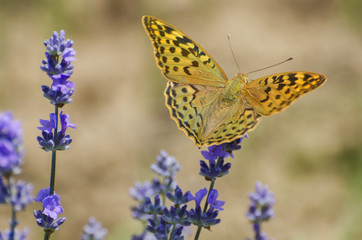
x: 13, y: 221
x: 172, y: 232
x: 54, y: 153
x: 257, y: 227
x: 54, y: 160
x: 206, y: 205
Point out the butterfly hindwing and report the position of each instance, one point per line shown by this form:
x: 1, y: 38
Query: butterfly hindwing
x: 238, y: 126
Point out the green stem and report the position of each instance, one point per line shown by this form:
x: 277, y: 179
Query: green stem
x: 46, y: 236
x: 13, y: 221
x: 54, y: 161
x: 54, y: 154
x: 205, y: 208
x: 172, y: 232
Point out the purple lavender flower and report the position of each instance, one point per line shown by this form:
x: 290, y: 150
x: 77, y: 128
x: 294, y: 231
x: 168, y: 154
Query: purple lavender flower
x: 198, y: 196
x: 48, y: 126
x: 262, y: 201
x: 223, y: 150
x: 11, y: 150
x: 260, y: 210
x: 214, y: 152
x: 4, y: 193
x: 22, y: 195
x: 93, y: 230
x: 214, y: 169
x: 49, y: 224
x: 166, y: 166
x: 178, y: 198
x: 176, y: 215
x: 65, y: 123
x: 143, y: 236
x: 140, y: 192
x: 159, y: 228
x: 208, y: 218
x: 51, y: 206
x: 47, y: 142
x: 18, y: 235
x: 234, y: 145
x: 47, y: 218
x: 58, y: 66
x: 214, y: 203
x: 153, y: 208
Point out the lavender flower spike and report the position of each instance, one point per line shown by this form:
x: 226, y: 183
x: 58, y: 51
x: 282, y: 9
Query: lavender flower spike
x: 260, y: 210
x: 48, y: 218
x: 93, y: 230
x: 11, y: 145
x: 58, y: 66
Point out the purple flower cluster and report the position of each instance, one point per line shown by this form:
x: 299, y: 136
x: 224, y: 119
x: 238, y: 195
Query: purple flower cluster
x: 260, y: 210
x: 17, y: 194
x: 22, y: 196
x: 58, y: 66
x: 93, y: 230
x: 215, y: 169
x: 62, y: 141
x: 48, y: 217
x: 171, y: 222
x: 11, y: 145
x: 17, y: 235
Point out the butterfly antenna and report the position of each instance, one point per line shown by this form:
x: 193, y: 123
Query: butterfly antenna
x: 291, y: 58
x: 232, y: 52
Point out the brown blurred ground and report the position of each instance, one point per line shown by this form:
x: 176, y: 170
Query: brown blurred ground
x: 310, y: 155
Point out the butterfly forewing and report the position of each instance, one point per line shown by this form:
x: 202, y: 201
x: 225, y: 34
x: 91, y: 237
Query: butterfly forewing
x: 180, y: 59
x: 273, y: 93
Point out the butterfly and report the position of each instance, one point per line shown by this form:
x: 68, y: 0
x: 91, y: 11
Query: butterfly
x: 210, y: 108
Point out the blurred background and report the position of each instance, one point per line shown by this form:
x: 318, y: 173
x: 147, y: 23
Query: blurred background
x: 310, y: 156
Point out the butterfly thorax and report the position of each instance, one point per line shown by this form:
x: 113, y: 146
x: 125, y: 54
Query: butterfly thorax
x: 234, y: 87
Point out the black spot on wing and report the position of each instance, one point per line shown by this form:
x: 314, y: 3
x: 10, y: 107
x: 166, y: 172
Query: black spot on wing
x: 184, y: 52
x: 265, y: 99
x: 186, y: 70
x: 195, y: 63
x: 167, y: 29
x: 281, y: 86
x: 167, y: 69
x: 267, y: 90
x: 292, y: 79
